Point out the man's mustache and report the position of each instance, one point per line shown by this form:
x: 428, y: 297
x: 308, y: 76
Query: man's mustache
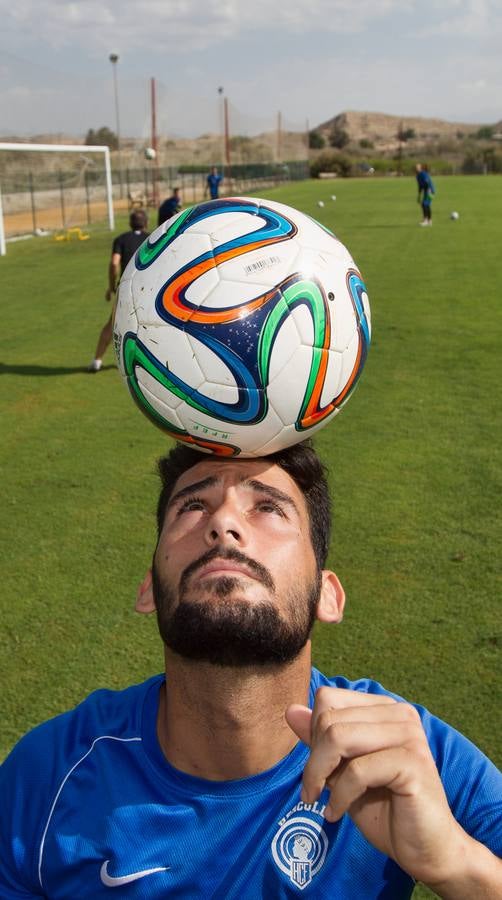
x: 260, y: 572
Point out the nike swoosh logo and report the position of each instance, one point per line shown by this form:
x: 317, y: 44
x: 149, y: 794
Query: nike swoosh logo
x: 117, y: 881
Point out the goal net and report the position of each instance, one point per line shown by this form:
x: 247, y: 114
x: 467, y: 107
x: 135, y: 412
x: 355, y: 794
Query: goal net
x: 41, y: 197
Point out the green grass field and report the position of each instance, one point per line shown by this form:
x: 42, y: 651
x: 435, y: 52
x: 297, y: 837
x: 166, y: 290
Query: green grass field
x: 415, y: 463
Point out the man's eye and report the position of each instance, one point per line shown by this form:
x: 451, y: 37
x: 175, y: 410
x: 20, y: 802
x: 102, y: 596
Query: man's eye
x: 191, y: 504
x: 269, y: 506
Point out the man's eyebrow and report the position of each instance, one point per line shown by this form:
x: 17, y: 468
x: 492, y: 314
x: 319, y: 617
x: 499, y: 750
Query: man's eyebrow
x: 253, y: 483
x: 210, y: 481
x: 272, y: 492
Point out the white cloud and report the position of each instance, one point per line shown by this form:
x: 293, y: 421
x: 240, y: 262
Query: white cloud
x: 307, y: 58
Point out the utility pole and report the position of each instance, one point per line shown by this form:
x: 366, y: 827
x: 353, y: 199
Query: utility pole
x: 155, y: 170
x: 221, y: 127
x: 228, y: 173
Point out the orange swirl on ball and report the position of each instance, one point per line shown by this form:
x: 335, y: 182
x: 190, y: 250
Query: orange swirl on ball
x: 173, y: 296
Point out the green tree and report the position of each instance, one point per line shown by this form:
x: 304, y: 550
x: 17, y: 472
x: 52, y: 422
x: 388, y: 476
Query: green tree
x: 331, y: 162
x: 102, y: 137
x: 316, y: 140
x: 405, y: 134
x: 338, y: 137
x: 485, y: 133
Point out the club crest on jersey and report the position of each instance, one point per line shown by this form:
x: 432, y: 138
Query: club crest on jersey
x: 300, y: 845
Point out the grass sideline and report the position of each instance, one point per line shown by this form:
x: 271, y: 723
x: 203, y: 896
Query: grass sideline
x: 414, y: 466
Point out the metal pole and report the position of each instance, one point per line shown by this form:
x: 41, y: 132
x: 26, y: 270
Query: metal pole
x: 227, y: 142
x: 32, y: 194
x: 61, y: 194
x: 221, y: 128
x: 87, y: 199
x: 3, y: 249
x: 109, y: 198
x: 155, y: 173
x: 114, y: 58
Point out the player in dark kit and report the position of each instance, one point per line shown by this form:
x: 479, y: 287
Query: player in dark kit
x: 242, y: 773
x: 123, y: 249
x: 169, y: 207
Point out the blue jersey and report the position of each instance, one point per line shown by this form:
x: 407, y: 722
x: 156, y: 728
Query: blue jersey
x: 425, y: 186
x: 168, y: 208
x: 213, y: 183
x: 89, y: 804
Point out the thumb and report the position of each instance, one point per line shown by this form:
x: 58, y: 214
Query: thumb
x: 299, y: 719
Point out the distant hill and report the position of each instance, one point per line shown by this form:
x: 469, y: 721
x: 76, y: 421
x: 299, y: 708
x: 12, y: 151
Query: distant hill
x: 381, y: 129
x: 447, y: 139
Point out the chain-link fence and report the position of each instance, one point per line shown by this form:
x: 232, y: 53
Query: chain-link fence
x: 36, y: 200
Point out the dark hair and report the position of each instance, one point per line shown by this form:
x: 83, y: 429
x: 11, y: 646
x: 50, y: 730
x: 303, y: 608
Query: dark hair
x: 300, y: 462
x: 138, y: 220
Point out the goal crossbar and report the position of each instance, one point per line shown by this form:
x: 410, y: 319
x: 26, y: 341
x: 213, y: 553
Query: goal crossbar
x: 62, y: 148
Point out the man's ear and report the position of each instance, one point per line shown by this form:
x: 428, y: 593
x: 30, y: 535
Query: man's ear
x: 144, y: 597
x: 332, y: 600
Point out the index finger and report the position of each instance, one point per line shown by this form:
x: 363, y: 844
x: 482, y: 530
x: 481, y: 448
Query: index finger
x: 341, y: 698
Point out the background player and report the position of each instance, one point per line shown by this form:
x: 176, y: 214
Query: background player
x: 169, y: 207
x: 425, y: 193
x: 214, y: 180
x: 123, y: 249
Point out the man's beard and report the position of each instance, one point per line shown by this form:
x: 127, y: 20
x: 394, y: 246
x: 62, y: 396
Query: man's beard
x: 224, y: 628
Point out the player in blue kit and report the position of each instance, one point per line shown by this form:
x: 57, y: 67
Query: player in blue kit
x: 426, y: 191
x: 169, y: 207
x: 242, y: 772
x: 214, y: 180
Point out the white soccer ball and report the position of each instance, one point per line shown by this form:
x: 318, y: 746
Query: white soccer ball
x: 242, y: 326
x: 454, y: 215
x: 150, y: 153
x: 333, y: 196
x: 320, y: 202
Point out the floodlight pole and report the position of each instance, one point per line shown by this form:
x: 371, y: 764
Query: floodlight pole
x: 155, y: 191
x: 228, y: 172
x: 114, y: 58
x: 221, y: 126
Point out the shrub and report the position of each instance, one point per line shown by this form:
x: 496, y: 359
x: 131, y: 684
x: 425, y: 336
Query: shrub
x: 316, y: 140
x: 331, y: 162
x: 338, y: 137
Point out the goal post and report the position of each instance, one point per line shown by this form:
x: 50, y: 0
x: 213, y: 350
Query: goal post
x: 62, y: 148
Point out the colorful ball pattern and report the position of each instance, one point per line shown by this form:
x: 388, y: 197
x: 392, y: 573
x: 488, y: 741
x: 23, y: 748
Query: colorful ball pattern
x: 242, y: 326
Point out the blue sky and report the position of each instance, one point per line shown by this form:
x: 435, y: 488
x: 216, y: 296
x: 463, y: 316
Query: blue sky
x: 308, y: 59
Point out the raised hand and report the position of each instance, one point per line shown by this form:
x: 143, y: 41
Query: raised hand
x: 372, y: 753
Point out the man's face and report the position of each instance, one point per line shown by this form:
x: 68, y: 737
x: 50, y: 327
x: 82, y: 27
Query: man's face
x: 235, y: 578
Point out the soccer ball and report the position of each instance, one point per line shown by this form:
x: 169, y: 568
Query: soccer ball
x: 150, y: 153
x: 242, y: 326
x: 320, y: 203
x: 454, y: 215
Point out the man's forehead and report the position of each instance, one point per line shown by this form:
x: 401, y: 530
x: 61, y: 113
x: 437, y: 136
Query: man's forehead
x: 237, y: 471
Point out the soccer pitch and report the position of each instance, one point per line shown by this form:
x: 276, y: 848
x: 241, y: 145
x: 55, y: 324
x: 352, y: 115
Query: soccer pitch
x: 414, y: 464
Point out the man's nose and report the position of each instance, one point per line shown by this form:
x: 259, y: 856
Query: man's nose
x: 226, y: 526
